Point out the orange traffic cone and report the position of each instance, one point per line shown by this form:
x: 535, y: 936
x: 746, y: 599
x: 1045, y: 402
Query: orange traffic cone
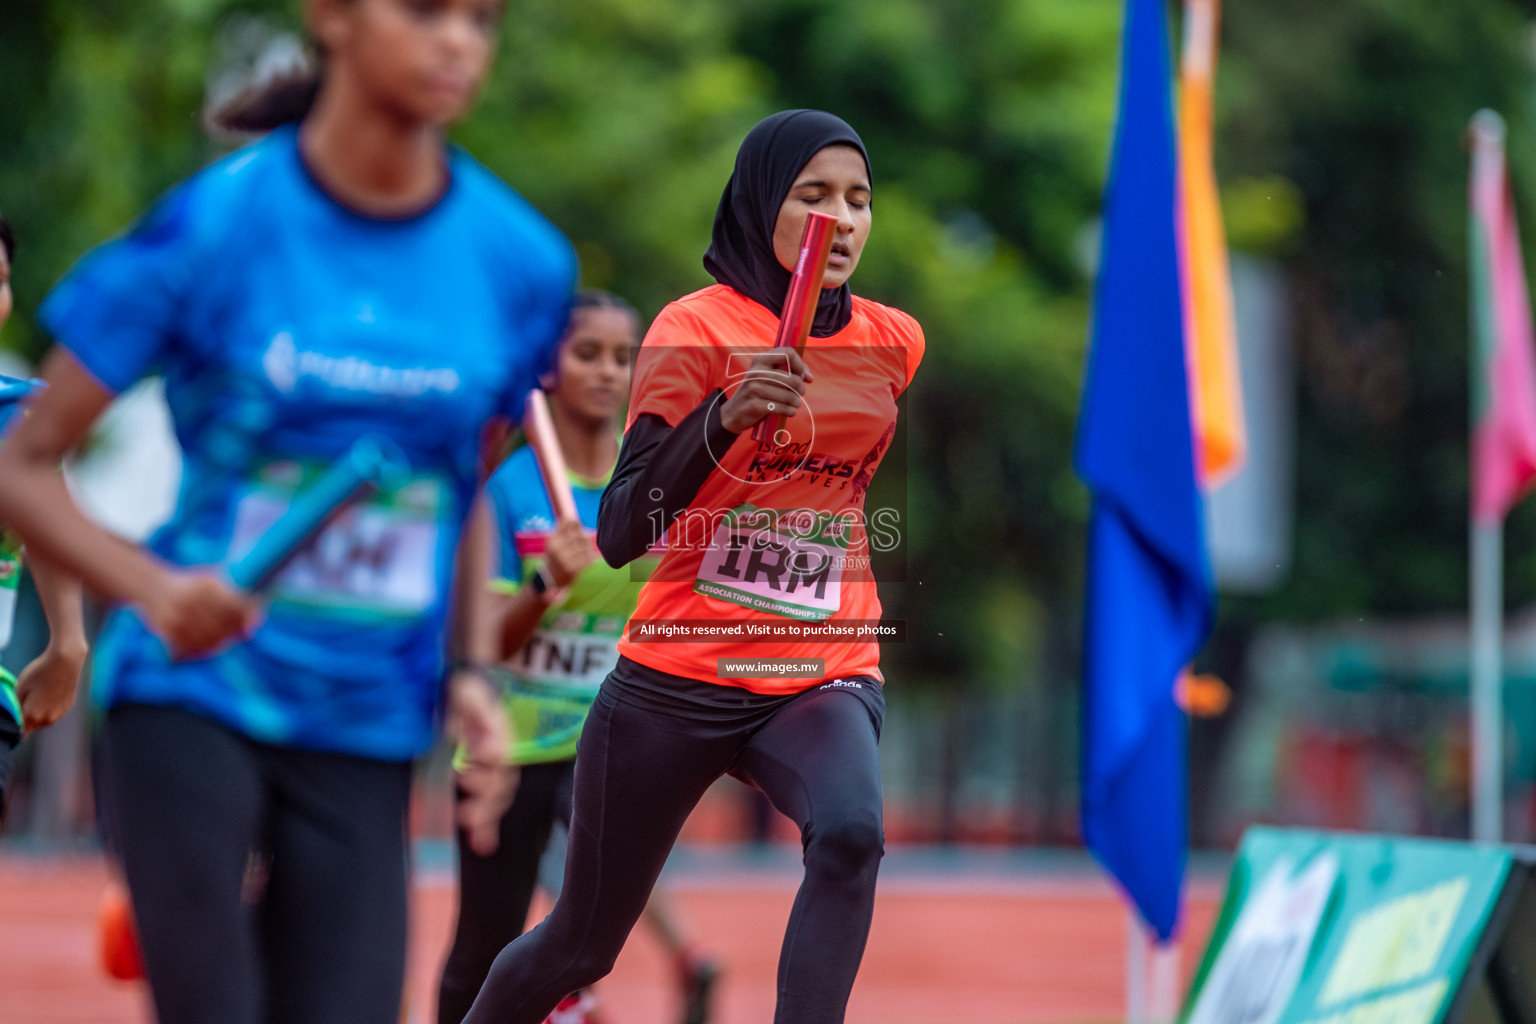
x: 117, y: 943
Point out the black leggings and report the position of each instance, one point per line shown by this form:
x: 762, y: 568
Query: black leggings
x: 494, y: 891
x: 652, y: 745
x: 191, y: 801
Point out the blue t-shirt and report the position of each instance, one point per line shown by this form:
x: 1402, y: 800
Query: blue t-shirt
x: 288, y: 326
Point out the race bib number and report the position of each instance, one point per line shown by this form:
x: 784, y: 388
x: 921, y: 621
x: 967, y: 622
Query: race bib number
x: 566, y: 659
x: 788, y: 564
x: 377, y: 558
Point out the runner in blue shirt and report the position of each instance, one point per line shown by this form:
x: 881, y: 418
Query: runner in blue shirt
x: 345, y: 276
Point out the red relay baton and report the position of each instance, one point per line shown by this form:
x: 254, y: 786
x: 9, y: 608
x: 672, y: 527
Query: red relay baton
x: 800, y: 302
x: 546, y: 446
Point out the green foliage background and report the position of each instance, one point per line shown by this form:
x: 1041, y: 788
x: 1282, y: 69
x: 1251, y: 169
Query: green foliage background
x: 989, y: 123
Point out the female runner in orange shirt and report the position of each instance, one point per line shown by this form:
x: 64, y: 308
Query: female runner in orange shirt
x: 757, y: 534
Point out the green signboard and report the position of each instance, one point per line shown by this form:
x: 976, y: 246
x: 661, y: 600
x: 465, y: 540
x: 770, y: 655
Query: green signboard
x: 1328, y: 928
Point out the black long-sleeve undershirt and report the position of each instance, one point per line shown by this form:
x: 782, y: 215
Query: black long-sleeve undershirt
x: 660, y: 471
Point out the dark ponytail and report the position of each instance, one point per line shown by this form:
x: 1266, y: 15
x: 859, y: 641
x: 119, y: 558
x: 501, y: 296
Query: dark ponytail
x: 282, y: 99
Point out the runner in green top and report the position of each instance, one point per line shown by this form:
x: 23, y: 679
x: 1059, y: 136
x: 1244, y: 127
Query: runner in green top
x: 560, y: 658
x: 562, y: 612
x: 46, y: 687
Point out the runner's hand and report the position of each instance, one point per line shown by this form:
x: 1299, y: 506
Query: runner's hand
x: 46, y: 687
x: 568, y: 551
x: 194, y: 611
x: 486, y: 779
x: 773, y: 384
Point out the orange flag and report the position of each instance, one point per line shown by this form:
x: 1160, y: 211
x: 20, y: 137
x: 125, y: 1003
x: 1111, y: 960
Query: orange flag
x: 1215, y: 392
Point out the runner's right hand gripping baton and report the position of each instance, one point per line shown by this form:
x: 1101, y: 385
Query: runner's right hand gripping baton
x: 540, y: 429
x: 372, y: 464
x: 800, y: 302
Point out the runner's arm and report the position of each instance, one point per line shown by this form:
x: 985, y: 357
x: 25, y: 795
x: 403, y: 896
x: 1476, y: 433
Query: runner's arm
x: 475, y: 712
x: 46, y: 687
x: 62, y: 601
x: 567, y: 552
x: 661, y: 468
x: 192, y: 610
x: 520, y: 614
x: 473, y: 637
x: 660, y: 471
x: 37, y: 503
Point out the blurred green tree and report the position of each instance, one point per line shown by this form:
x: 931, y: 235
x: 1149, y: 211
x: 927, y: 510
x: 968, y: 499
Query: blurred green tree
x: 1363, y: 107
x: 988, y: 123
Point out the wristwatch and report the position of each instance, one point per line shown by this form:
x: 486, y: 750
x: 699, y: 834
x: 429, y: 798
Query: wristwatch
x: 542, y: 583
x: 477, y: 668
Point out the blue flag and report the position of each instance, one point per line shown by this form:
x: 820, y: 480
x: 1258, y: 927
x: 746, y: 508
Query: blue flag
x: 1150, y: 600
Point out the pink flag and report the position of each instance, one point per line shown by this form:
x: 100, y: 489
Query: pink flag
x: 1504, y: 357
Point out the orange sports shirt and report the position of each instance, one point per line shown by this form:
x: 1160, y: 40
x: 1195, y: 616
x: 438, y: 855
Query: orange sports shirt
x: 779, y: 533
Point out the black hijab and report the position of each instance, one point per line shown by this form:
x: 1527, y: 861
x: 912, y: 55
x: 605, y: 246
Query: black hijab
x: 741, y: 251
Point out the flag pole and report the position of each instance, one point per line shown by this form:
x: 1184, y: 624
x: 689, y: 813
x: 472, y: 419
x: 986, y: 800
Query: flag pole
x: 1138, y: 942
x: 1491, y: 265
x: 1151, y: 974
x: 1487, y: 679
x: 1163, y: 988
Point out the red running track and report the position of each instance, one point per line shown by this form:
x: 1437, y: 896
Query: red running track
x: 944, y: 950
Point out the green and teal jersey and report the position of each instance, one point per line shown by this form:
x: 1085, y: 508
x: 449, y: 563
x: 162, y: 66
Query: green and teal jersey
x: 553, y: 680
x: 12, y: 390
